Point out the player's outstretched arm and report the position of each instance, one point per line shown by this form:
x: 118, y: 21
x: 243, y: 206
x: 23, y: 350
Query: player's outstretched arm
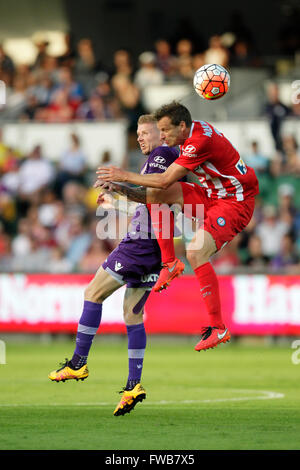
x: 138, y: 194
x: 151, y: 180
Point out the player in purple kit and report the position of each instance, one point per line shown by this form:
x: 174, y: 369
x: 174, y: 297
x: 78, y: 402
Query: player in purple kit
x: 135, y: 262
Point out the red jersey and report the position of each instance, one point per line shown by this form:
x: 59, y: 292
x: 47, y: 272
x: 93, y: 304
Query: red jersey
x: 217, y: 164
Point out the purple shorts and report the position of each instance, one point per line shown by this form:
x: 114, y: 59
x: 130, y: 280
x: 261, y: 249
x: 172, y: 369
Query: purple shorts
x: 136, y: 263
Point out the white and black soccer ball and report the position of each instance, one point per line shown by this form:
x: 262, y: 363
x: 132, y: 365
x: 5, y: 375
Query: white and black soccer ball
x: 211, y: 81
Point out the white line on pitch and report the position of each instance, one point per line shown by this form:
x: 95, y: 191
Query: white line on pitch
x: 265, y: 395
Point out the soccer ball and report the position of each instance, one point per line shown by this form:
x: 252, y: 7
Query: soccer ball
x: 211, y: 81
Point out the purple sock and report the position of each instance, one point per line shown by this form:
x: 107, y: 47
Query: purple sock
x: 87, y: 328
x: 136, y: 349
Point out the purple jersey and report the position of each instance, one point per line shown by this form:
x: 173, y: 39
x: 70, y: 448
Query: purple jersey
x: 158, y: 162
x: 137, y: 260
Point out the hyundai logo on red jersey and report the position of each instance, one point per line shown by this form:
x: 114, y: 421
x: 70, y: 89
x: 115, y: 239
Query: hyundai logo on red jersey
x: 189, y: 151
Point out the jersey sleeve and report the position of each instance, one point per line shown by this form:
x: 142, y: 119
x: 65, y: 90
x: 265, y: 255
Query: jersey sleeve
x: 193, y: 153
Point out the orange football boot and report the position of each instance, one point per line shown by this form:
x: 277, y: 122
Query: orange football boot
x: 211, y: 337
x: 168, y: 272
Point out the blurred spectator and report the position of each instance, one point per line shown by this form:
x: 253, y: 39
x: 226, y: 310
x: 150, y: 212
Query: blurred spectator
x: 30, y: 109
x: 41, y: 88
x: 129, y: 98
x: 123, y: 63
x: 50, y: 68
x: 291, y: 155
x: 256, y: 159
x: 48, y: 208
x: 74, y: 89
x: 21, y: 243
x: 62, y: 226
x: 7, y: 67
x: 184, y: 48
x: 148, y: 74
x: 287, y: 256
x: 80, y: 240
x: 125, y: 90
x: 86, y: 65
x: 42, y: 236
x: 184, y: 57
x: 288, y: 209
x: 57, y: 262
x: 73, y: 195
x: 276, y: 112
x: 276, y: 165
x: 103, y: 88
x: 9, y: 157
x: 216, y: 52
x: 58, y: 110
x: 246, y: 234
x: 4, y: 242
x: 94, y: 256
x: 3, y: 149
x: 242, y: 55
x: 7, y: 211
x: 102, y: 103
x: 16, y: 98
x: 10, y: 170
x: 286, y: 193
x: 85, y: 62
x: 92, y: 110
x: 271, y: 231
x: 256, y: 259
x: 165, y: 60
x: 42, y: 54
x: 35, y: 261
x: 185, y: 69
x: 68, y: 57
x: 198, y: 61
x: 35, y: 173
x: 72, y: 164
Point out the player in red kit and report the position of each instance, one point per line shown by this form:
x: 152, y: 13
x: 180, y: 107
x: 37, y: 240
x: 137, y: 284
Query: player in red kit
x: 226, y: 189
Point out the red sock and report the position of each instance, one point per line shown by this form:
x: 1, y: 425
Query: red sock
x: 209, y: 288
x: 163, y: 226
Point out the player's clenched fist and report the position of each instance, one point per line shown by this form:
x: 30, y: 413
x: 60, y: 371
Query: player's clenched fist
x: 106, y: 188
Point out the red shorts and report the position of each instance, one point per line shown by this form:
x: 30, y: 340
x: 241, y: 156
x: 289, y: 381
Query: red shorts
x: 223, y: 218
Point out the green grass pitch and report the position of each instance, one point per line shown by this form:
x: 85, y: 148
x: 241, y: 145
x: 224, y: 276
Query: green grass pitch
x: 235, y: 397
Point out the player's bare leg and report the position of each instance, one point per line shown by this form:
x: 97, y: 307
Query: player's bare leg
x: 172, y: 267
x: 133, y: 392
x: 199, y: 251
x: 101, y: 286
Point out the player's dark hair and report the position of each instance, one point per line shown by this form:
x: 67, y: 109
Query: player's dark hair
x: 176, y: 112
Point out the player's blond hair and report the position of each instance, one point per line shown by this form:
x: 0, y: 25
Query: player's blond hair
x: 146, y: 118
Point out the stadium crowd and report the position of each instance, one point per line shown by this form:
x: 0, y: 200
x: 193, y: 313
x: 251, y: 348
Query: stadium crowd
x: 48, y: 219
x: 77, y: 86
